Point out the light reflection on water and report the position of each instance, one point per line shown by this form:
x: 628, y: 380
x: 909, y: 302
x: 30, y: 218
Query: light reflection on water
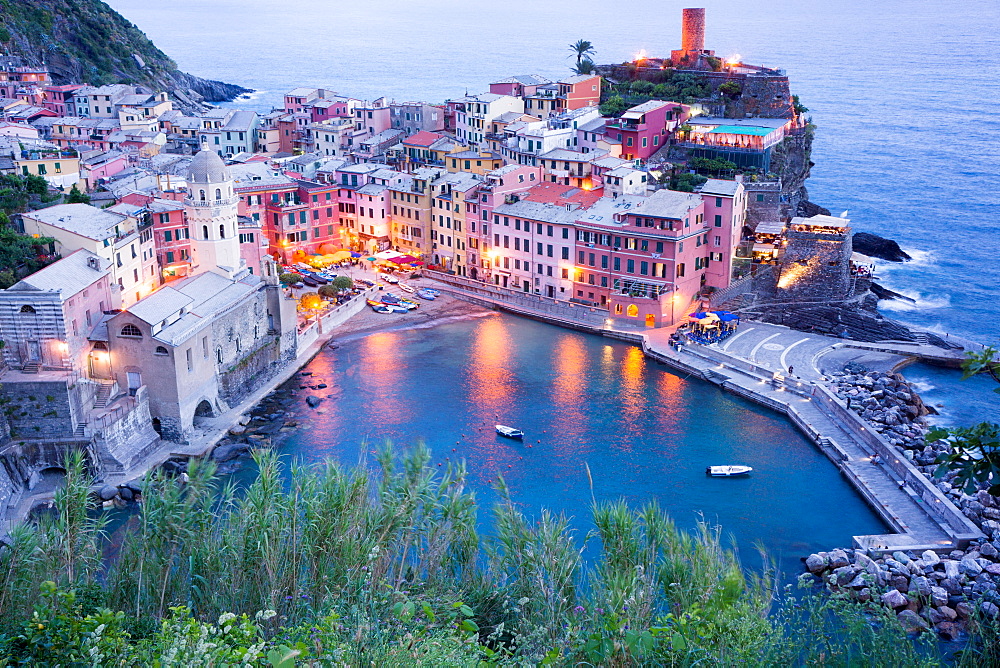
x: 645, y: 433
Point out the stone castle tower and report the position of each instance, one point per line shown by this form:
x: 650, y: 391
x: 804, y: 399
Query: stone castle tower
x: 211, y: 216
x: 692, y: 38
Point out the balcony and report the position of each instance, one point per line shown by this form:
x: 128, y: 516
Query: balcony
x: 207, y: 203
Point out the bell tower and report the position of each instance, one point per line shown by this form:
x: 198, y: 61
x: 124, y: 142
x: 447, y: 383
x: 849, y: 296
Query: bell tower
x: 211, y: 216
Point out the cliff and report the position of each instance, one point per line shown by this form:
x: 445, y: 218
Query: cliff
x: 86, y: 41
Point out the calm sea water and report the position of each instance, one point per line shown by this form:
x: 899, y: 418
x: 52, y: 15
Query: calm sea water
x: 582, y: 400
x: 903, y: 94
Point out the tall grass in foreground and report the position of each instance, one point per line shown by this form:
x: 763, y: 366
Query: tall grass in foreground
x: 360, y: 568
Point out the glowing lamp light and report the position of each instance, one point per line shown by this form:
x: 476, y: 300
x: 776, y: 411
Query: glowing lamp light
x: 734, y: 59
x: 641, y: 55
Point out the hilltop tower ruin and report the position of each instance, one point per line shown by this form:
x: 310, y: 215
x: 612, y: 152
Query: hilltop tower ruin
x: 692, y: 38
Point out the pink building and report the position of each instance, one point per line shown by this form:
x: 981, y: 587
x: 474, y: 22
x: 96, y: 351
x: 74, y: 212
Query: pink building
x: 725, y: 215
x: 253, y: 243
x: 171, y: 238
x: 644, y: 129
x: 98, y: 166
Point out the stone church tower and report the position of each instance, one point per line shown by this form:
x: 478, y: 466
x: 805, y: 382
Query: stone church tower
x: 211, y: 216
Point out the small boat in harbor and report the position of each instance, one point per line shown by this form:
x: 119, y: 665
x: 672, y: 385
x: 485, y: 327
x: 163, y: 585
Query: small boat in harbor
x: 426, y: 294
x: 509, y: 432
x: 406, y: 288
x: 727, y: 471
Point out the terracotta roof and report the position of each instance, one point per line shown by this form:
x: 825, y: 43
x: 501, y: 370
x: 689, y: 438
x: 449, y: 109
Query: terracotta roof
x: 422, y: 138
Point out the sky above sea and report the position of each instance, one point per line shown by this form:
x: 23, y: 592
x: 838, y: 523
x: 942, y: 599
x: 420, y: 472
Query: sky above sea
x: 903, y: 95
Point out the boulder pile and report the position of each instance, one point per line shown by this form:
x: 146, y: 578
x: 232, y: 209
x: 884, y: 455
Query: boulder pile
x: 927, y: 591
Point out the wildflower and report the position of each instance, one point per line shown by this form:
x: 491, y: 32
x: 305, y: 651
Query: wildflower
x: 578, y: 610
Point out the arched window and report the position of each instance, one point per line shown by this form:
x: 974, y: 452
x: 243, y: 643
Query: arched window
x: 160, y: 350
x: 222, y: 231
x: 218, y: 193
x: 202, y: 193
x: 632, y: 311
x: 204, y: 231
x: 131, y: 330
x: 27, y: 308
x: 100, y: 345
x: 218, y: 355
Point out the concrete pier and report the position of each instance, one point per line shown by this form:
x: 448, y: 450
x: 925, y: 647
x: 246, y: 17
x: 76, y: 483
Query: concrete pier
x: 754, y: 363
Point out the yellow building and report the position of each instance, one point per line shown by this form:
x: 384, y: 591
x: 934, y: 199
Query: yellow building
x: 60, y: 167
x: 121, y: 235
x: 474, y: 162
x: 410, y: 213
x: 449, y: 227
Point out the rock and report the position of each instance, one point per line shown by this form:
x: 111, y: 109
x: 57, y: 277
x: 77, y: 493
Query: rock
x: 135, y: 487
x: 841, y: 576
x: 948, y: 630
x: 930, y: 557
x: 912, y: 622
x: 988, y: 551
x: 894, y: 599
x: 992, y: 569
x: 901, y: 557
x: 901, y: 583
x: 815, y: 564
x: 237, y: 430
x: 864, y: 595
x: 989, y: 609
x: 970, y: 566
x: 313, y: 401
x: 838, y: 559
x: 860, y: 582
x: 224, y: 453
x: 920, y: 586
x: 948, y: 613
x: 126, y: 493
x: 963, y: 609
x: 951, y: 569
x: 108, y: 492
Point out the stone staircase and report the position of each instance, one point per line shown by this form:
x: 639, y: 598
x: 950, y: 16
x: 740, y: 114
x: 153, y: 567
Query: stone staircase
x: 104, y: 394
x: 30, y: 367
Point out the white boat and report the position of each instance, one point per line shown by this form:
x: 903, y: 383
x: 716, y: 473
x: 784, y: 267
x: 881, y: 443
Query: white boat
x: 509, y: 432
x: 727, y: 471
x: 406, y: 288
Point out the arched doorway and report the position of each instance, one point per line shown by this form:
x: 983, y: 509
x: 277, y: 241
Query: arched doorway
x: 157, y: 427
x: 204, y: 409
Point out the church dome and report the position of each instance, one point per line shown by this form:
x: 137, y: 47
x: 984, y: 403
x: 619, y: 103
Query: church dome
x: 208, y: 167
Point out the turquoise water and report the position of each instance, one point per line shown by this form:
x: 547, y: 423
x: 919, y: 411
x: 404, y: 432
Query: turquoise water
x: 903, y: 93
x: 582, y: 400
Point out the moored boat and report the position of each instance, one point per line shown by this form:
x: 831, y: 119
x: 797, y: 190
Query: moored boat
x: 509, y: 432
x: 426, y: 294
x: 728, y: 471
x: 406, y: 288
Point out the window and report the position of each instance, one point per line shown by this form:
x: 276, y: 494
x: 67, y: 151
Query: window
x: 27, y: 309
x: 170, y: 257
x: 718, y: 220
x: 160, y: 350
x: 190, y: 360
x: 204, y: 231
x: 632, y: 311
x: 131, y: 330
x: 222, y: 231
x: 760, y: 198
x: 565, y: 253
x: 630, y: 266
x: 204, y: 347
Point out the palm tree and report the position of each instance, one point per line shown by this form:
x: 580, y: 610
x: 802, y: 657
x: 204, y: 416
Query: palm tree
x: 581, y: 48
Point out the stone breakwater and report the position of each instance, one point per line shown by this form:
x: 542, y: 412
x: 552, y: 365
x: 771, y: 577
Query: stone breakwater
x: 926, y: 591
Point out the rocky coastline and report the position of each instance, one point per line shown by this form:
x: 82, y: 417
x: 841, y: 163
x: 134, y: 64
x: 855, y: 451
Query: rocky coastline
x: 944, y: 593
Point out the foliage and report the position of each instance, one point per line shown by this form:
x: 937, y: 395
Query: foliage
x: 714, y: 62
x: 329, y: 566
x: 21, y: 255
x: 328, y: 291
x: 290, y: 278
x: 586, y: 66
x: 310, y: 300
x: 90, y: 32
x: 614, y: 106
x: 686, y: 182
x: 798, y: 106
x: 731, y: 89
x: 582, y: 49
x: 670, y: 85
x: 77, y: 197
x: 712, y: 165
x: 343, y: 283
x: 975, y: 450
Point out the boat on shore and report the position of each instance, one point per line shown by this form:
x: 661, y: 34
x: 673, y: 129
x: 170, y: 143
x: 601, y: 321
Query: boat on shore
x: 509, y: 432
x: 728, y: 471
x: 426, y: 294
x: 406, y: 288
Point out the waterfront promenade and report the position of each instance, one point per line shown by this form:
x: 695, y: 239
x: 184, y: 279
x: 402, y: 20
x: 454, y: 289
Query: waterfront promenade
x: 754, y: 364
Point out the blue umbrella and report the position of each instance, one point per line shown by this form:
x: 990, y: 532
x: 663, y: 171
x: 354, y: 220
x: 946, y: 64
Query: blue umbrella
x: 355, y: 254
